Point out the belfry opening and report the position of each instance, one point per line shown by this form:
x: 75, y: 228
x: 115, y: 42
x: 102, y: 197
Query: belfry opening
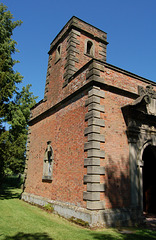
x: 149, y: 179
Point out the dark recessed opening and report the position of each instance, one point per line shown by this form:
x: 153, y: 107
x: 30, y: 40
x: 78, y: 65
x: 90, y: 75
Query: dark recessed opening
x: 89, y: 47
x: 149, y: 179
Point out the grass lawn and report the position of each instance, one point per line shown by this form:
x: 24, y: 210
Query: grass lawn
x: 22, y: 221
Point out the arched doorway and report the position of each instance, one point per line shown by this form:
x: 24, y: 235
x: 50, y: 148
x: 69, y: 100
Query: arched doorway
x: 149, y: 179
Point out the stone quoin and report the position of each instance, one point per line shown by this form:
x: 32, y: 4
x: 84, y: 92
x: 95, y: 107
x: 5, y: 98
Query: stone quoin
x: 91, y: 149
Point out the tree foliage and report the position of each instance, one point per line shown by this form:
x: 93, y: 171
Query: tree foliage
x: 14, y: 105
x: 8, y: 77
x: 18, y: 117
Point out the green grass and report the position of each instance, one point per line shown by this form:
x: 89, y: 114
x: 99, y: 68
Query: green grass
x: 22, y: 221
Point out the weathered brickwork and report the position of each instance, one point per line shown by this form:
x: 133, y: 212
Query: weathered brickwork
x: 65, y: 129
x: 117, y: 193
x: 97, y: 120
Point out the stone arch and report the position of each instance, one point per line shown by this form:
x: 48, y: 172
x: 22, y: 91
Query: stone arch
x: 140, y: 118
x: 145, y: 145
x: 89, y: 48
x: 145, y: 141
x: 58, y: 53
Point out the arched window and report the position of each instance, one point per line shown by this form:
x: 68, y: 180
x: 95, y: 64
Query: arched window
x: 58, y: 53
x: 89, y: 48
x: 59, y: 50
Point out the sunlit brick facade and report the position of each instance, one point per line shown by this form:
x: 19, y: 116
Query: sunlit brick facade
x: 86, y: 137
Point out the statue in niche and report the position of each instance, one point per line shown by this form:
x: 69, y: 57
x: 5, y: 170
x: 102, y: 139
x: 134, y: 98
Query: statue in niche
x: 48, y: 163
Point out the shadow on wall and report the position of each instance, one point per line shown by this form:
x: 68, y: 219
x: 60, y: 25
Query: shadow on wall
x: 118, y: 183
x: 117, y: 193
x: 29, y: 236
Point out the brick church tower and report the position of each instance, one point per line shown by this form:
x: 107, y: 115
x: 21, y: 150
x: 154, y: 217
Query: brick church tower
x: 92, y: 134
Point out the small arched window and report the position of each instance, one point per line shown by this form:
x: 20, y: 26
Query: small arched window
x: 59, y: 50
x: 58, y: 53
x: 89, y: 48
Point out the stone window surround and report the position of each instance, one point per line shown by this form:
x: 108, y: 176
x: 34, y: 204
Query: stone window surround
x: 48, y: 163
x: 92, y: 50
x: 58, y: 53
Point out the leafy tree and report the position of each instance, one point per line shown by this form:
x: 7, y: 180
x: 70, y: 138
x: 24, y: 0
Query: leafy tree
x: 8, y: 77
x: 3, y: 151
x: 14, y: 106
x: 19, y: 113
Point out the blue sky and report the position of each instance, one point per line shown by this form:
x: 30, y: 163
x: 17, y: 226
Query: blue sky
x: 130, y: 27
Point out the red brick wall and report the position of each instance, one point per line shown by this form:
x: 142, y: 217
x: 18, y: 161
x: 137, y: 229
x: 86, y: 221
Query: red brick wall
x: 116, y: 162
x: 57, y: 69
x: 65, y: 129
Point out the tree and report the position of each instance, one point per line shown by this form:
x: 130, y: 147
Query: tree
x: 14, y: 106
x: 8, y: 77
x: 18, y: 117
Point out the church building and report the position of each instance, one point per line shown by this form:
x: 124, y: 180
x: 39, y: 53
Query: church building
x: 91, y: 149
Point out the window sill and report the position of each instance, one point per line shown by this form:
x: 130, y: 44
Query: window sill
x: 57, y: 60
x: 46, y: 179
x: 89, y: 55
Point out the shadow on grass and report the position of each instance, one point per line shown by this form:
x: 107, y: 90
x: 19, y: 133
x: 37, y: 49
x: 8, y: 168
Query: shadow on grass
x: 29, y: 236
x: 9, y: 188
x: 127, y: 235
x: 8, y: 194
